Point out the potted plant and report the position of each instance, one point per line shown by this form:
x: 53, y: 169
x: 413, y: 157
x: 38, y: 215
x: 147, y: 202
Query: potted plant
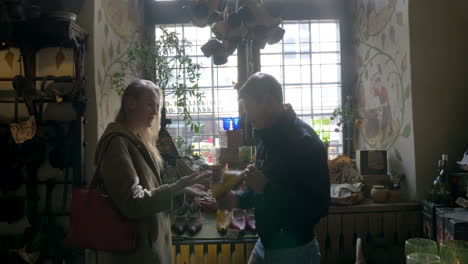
x: 322, y: 128
x: 346, y: 116
x: 165, y: 63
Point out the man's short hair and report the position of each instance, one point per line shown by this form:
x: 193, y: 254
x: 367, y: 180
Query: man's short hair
x: 260, y: 84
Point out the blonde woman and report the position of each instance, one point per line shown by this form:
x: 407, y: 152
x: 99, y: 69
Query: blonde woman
x: 129, y: 171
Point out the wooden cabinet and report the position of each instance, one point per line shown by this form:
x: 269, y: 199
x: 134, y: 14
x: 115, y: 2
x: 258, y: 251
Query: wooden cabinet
x: 383, y: 228
x: 46, y: 223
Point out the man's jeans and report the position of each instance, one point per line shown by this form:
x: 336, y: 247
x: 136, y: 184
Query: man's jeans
x: 306, y: 254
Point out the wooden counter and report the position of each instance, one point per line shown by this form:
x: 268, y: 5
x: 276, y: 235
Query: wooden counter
x: 383, y: 228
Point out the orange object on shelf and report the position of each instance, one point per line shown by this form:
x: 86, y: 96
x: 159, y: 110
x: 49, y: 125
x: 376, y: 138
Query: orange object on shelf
x: 231, y: 179
x: 223, y: 220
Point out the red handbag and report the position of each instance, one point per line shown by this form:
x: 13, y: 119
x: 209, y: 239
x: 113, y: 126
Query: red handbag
x: 96, y: 223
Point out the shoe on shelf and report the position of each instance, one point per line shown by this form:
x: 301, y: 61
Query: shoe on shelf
x: 250, y: 220
x: 194, y: 224
x: 223, y: 220
x: 238, y: 219
x: 179, y: 219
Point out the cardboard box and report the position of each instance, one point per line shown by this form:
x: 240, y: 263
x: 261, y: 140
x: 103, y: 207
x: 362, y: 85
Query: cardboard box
x: 456, y: 228
x: 229, y: 155
x: 429, y: 219
x: 370, y: 162
x: 440, y: 212
x: 452, y: 223
x: 231, y: 138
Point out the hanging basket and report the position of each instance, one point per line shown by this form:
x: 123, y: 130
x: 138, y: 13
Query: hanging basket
x: 60, y: 9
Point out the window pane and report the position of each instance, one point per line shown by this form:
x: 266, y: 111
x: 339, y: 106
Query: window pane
x: 226, y: 102
x: 312, y: 75
x: 220, y: 97
x: 275, y: 71
x: 269, y: 49
x: 225, y: 76
x: 328, y: 32
x: 290, y: 59
x: 205, y: 78
x: 294, y: 74
x: 270, y: 60
x: 330, y: 73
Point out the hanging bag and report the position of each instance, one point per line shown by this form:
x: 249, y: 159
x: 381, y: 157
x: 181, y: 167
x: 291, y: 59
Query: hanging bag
x: 96, y: 223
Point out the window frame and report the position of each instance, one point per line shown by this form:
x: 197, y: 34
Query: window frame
x: 172, y: 12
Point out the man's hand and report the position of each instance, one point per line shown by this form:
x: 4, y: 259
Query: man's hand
x: 255, y: 179
x: 228, y: 201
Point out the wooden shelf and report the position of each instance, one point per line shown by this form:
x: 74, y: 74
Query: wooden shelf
x: 44, y: 33
x: 40, y: 78
x: 368, y: 206
x: 459, y: 174
x: 41, y: 100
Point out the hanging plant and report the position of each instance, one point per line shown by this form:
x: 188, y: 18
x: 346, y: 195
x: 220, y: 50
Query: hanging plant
x: 251, y: 21
x: 165, y: 63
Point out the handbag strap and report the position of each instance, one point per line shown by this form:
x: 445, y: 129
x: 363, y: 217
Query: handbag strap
x: 139, y: 145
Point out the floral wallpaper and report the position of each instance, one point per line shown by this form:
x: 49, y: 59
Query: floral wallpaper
x: 383, y: 82
x: 116, y: 25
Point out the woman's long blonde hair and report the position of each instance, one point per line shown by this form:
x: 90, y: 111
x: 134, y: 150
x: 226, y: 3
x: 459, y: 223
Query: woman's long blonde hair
x: 149, y: 136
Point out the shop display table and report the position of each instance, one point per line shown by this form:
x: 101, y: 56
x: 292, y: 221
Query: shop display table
x: 382, y: 227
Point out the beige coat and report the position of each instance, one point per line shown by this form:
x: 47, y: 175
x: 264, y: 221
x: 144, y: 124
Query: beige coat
x: 132, y: 181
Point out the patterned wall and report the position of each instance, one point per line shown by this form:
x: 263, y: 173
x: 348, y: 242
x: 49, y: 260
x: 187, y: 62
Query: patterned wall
x: 116, y: 25
x: 383, y: 82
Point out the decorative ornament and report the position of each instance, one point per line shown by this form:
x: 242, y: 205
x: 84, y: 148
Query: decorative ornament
x: 23, y: 131
x: 9, y: 57
x: 103, y: 58
x: 59, y: 58
x: 252, y: 21
x: 205, y: 12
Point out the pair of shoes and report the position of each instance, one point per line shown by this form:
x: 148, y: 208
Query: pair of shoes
x: 178, y: 218
x: 187, y: 218
x: 194, y: 224
x: 243, y: 220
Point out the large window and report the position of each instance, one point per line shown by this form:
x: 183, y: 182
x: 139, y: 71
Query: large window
x: 217, y: 83
x: 307, y: 62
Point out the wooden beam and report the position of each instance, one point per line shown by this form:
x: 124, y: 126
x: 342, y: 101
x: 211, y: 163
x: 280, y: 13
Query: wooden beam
x: 172, y: 12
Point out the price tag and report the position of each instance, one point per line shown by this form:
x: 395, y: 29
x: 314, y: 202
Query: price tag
x: 232, y: 233
x: 462, y: 202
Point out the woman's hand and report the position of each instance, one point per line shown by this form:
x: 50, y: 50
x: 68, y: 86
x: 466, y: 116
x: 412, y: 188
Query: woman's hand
x: 195, y: 190
x: 194, y: 178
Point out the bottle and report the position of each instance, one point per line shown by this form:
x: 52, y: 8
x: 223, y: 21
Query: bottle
x: 445, y: 162
x: 440, y: 192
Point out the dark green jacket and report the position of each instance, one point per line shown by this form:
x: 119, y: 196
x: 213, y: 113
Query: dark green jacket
x: 294, y: 159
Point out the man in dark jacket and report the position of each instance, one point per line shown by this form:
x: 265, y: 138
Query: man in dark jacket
x: 288, y: 186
